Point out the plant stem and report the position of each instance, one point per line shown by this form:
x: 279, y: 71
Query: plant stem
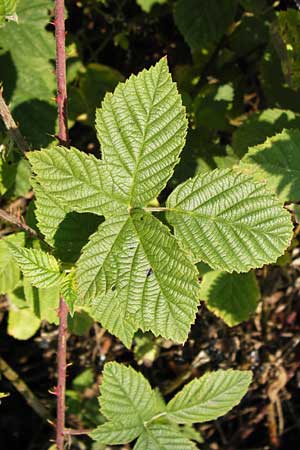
x: 61, y: 99
x: 11, y: 126
x: 63, y: 137
x: 6, y: 217
x: 62, y: 370
x: 23, y: 389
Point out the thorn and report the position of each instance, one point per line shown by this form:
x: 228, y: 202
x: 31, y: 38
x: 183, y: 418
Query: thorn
x: 51, y: 422
x: 69, y: 364
x: 54, y: 392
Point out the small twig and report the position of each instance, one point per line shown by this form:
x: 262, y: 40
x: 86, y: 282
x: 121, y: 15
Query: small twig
x: 11, y: 126
x: 22, y: 225
x: 70, y: 432
x: 23, y: 389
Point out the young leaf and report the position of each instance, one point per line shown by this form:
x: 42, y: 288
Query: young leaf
x: 141, y: 129
x: 80, y: 182
x: 229, y: 221
x: 209, y: 397
x: 139, y: 258
x: 40, y: 268
x: 159, y: 436
x: 116, y: 433
x: 277, y: 162
x: 8, y: 10
x: 69, y: 291
x: 126, y: 396
x: 231, y: 296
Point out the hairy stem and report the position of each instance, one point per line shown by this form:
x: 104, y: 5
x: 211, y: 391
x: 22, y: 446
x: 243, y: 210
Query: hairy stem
x: 11, y: 126
x: 61, y: 99
x: 64, y: 140
x: 62, y: 370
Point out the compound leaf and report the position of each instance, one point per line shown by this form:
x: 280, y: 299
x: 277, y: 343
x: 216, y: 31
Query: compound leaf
x: 229, y: 221
x: 277, y: 163
x: 231, y: 296
x: 142, y: 128
x: 40, y: 268
x: 126, y: 396
x: 159, y: 436
x: 116, y: 433
x: 137, y: 257
x: 209, y: 397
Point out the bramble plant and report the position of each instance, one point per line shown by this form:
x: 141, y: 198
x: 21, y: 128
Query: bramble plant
x: 134, y: 273
x: 105, y: 244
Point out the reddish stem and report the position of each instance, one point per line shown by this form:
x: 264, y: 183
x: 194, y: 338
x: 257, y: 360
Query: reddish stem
x: 61, y: 99
x: 63, y: 137
x: 62, y: 369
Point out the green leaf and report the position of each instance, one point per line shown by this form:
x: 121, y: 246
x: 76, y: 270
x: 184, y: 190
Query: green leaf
x: 40, y: 268
x: 9, y: 270
x: 22, y: 323
x: 116, y: 433
x: 209, y: 397
x: 69, y: 291
x: 137, y: 257
x: 26, y: 71
x: 160, y: 436
x: 8, y: 10
x: 275, y: 89
x: 286, y: 38
x: 80, y: 323
x: 277, y: 163
x: 93, y: 83
x: 141, y: 129
x: 49, y: 212
x: 43, y: 302
x: 80, y: 182
x: 229, y: 221
x: 111, y: 311
x: 146, y: 5
x: 126, y: 396
x: 231, y: 296
x: 261, y: 125
x: 203, y: 23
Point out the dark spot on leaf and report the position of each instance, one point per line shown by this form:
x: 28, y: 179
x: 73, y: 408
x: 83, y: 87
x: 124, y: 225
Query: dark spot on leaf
x: 113, y: 288
x: 149, y: 272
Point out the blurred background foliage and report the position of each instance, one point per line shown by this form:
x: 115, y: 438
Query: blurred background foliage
x: 237, y: 67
